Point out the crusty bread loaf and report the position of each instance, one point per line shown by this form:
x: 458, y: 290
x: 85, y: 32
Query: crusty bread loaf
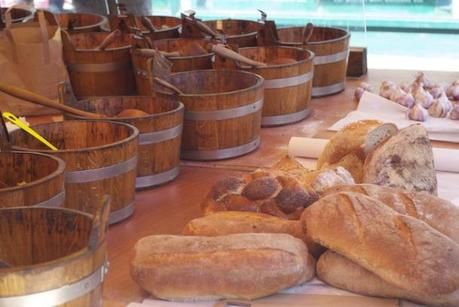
x: 404, y: 160
x: 402, y: 250
x: 243, y: 266
x: 437, y: 212
x: 273, y: 193
x: 340, y: 272
x: 348, y: 140
x: 231, y: 222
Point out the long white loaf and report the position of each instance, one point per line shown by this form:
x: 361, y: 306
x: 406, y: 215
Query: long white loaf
x: 244, y: 266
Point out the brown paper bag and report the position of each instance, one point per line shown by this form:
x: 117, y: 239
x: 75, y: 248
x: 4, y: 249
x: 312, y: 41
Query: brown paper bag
x: 31, y: 58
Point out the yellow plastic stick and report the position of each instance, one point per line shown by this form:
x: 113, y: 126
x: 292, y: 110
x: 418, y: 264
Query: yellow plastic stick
x: 12, y: 118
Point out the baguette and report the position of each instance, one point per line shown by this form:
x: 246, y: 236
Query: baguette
x: 340, y: 272
x: 402, y: 250
x: 231, y: 222
x: 438, y: 213
x: 238, y: 266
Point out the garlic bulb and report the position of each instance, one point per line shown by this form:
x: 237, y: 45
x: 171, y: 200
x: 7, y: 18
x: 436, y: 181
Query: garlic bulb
x: 386, y: 89
x: 440, y: 107
x: 406, y: 87
x: 422, y: 80
x: 436, y: 90
x: 404, y: 99
x: 418, y: 113
x: 366, y: 86
x: 454, y: 112
x: 453, y: 91
x: 423, y: 97
x: 363, y: 87
x: 358, y: 93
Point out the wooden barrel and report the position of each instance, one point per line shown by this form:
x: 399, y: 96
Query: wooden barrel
x: 18, y: 14
x: 160, y: 132
x: 99, y: 72
x: 31, y: 179
x: 51, y: 257
x: 81, y: 22
x: 100, y: 158
x: 288, y: 82
x: 189, y: 59
x: 242, y: 33
x: 331, y: 49
x: 222, y: 112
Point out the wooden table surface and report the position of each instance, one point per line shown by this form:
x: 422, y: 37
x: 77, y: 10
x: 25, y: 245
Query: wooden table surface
x: 166, y: 209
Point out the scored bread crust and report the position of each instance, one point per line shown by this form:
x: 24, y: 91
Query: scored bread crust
x: 404, y: 160
x: 243, y: 266
x: 231, y: 222
x: 340, y: 272
x: 348, y: 140
x: 437, y: 212
x: 402, y: 250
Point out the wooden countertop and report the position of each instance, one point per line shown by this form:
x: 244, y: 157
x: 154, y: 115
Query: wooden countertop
x: 166, y: 209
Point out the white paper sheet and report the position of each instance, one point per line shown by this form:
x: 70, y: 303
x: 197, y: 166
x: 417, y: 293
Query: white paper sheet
x: 372, y: 106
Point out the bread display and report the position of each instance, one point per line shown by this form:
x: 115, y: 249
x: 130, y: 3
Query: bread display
x: 403, y: 251
x: 238, y: 266
x: 265, y: 192
x: 343, y: 273
x: 231, y: 222
x: 405, y: 160
x: 437, y: 212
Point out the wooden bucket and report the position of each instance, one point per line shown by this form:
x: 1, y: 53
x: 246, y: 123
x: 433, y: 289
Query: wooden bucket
x: 187, y: 60
x: 100, y: 158
x: 242, y: 33
x: 222, y: 112
x: 331, y: 49
x: 81, y: 22
x: 52, y: 257
x: 287, y: 85
x: 31, y: 179
x: 160, y: 132
x: 18, y: 14
x: 99, y: 72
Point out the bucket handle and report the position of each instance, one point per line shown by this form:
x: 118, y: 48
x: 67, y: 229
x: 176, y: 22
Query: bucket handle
x: 100, y: 223
x: 168, y: 85
x: 227, y: 53
x: 110, y: 38
x: 148, y: 24
x: 9, y: 20
x: 307, y: 32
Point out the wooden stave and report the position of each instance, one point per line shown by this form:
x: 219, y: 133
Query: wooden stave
x: 147, y: 152
x: 50, y: 187
x: 283, y: 72
x: 228, y: 149
x: 110, y: 70
x: 39, y: 279
x: 120, y: 209
x: 325, y: 83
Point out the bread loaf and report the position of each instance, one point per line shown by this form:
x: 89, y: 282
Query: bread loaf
x: 403, y: 251
x: 348, y: 140
x: 342, y: 273
x: 241, y: 266
x: 266, y: 192
x: 404, y: 161
x: 438, y: 213
x: 231, y: 222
